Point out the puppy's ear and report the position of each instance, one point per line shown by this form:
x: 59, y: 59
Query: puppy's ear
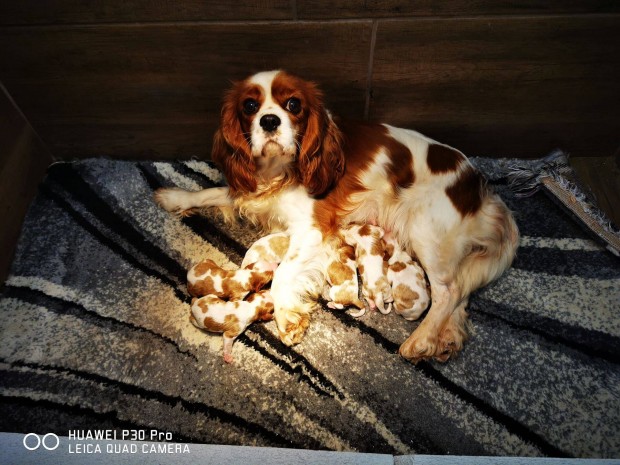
x: 321, y: 158
x: 231, y: 149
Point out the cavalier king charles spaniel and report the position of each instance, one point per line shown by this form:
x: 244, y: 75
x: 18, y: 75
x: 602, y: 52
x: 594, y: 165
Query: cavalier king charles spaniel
x: 291, y: 166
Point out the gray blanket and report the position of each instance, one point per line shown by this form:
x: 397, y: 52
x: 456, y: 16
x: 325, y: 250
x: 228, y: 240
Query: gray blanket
x: 95, y: 335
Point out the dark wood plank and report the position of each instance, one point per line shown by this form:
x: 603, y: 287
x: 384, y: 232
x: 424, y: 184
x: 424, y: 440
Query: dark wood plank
x: 502, y: 86
x: 30, y: 12
x: 23, y: 160
x: 76, y: 83
x: 319, y: 9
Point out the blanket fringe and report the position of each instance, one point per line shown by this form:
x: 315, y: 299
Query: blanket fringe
x: 554, y: 175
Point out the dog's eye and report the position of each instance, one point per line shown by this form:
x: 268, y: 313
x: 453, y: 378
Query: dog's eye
x: 250, y: 106
x: 293, y: 105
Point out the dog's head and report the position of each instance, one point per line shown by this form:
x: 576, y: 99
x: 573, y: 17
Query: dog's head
x: 273, y: 123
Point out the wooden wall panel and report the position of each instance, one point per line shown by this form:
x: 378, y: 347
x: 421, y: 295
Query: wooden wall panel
x: 511, y: 86
x: 155, y: 90
x: 23, y: 160
x: 30, y: 12
x: 320, y: 9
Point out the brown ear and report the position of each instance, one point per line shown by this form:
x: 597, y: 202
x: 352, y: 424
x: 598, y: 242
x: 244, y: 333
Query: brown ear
x: 231, y: 150
x: 321, y: 159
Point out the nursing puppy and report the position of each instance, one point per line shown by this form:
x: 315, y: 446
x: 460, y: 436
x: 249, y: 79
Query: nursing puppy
x: 369, y: 257
x: 342, y: 289
x: 271, y: 249
x: 207, y: 278
x: 406, y: 277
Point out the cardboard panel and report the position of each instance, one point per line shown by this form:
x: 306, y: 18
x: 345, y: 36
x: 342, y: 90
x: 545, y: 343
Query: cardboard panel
x: 515, y: 87
x: 156, y: 90
x: 23, y: 160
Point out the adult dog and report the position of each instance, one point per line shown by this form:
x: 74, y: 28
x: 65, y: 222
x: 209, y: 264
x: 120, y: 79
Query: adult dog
x: 291, y: 166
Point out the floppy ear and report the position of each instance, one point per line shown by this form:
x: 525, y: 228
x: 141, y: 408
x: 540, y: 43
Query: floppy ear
x: 231, y: 149
x: 321, y: 159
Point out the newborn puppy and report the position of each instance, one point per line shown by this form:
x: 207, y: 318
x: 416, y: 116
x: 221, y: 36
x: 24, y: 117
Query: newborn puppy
x: 369, y: 257
x: 207, y: 278
x: 409, y: 289
x: 270, y: 248
x: 231, y: 318
x: 342, y: 289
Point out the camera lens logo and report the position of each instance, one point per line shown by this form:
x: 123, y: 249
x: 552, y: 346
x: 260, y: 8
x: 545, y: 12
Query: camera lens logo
x: 33, y: 441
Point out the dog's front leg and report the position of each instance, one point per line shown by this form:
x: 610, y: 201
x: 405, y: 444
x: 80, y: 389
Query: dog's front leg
x: 297, y: 284
x: 185, y: 203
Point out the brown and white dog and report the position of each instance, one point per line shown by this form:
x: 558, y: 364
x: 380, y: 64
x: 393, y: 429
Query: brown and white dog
x: 230, y: 318
x: 291, y: 166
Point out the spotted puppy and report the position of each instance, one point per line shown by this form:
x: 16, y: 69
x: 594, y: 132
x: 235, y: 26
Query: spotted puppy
x: 270, y: 248
x: 369, y: 258
x: 342, y: 289
x: 207, y: 278
x: 406, y: 276
x: 230, y: 318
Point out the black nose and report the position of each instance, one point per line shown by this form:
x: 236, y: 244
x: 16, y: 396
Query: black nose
x: 269, y: 122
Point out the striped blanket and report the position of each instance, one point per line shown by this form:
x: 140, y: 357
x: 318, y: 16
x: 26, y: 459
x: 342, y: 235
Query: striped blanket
x: 95, y: 335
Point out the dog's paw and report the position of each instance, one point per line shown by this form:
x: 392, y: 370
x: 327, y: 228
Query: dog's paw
x: 452, y: 336
x: 172, y: 200
x: 292, y: 325
x: 421, y: 345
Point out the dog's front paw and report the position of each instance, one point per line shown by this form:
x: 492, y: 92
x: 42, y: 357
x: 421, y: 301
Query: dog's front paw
x: 172, y: 199
x: 421, y: 345
x: 292, y: 325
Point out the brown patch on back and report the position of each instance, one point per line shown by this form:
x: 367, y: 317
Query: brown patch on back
x: 398, y: 266
x: 404, y: 298
x: 202, y: 287
x: 377, y: 248
x: 230, y: 327
x: 204, y: 267
x: 400, y: 169
x: 365, y: 230
x: 232, y: 289
x: 339, y: 273
x: 443, y: 159
x: 467, y: 191
x: 279, y: 245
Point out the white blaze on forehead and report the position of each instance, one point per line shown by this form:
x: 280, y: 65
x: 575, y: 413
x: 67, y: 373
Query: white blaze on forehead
x: 265, y: 79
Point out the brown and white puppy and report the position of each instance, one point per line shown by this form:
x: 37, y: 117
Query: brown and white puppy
x: 230, y: 318
x: 271, y: 249
x: 369, y: 254
x: 291, y: 166
x: 342, y: 289
x: 207, y: 278
x: 406, y: 277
